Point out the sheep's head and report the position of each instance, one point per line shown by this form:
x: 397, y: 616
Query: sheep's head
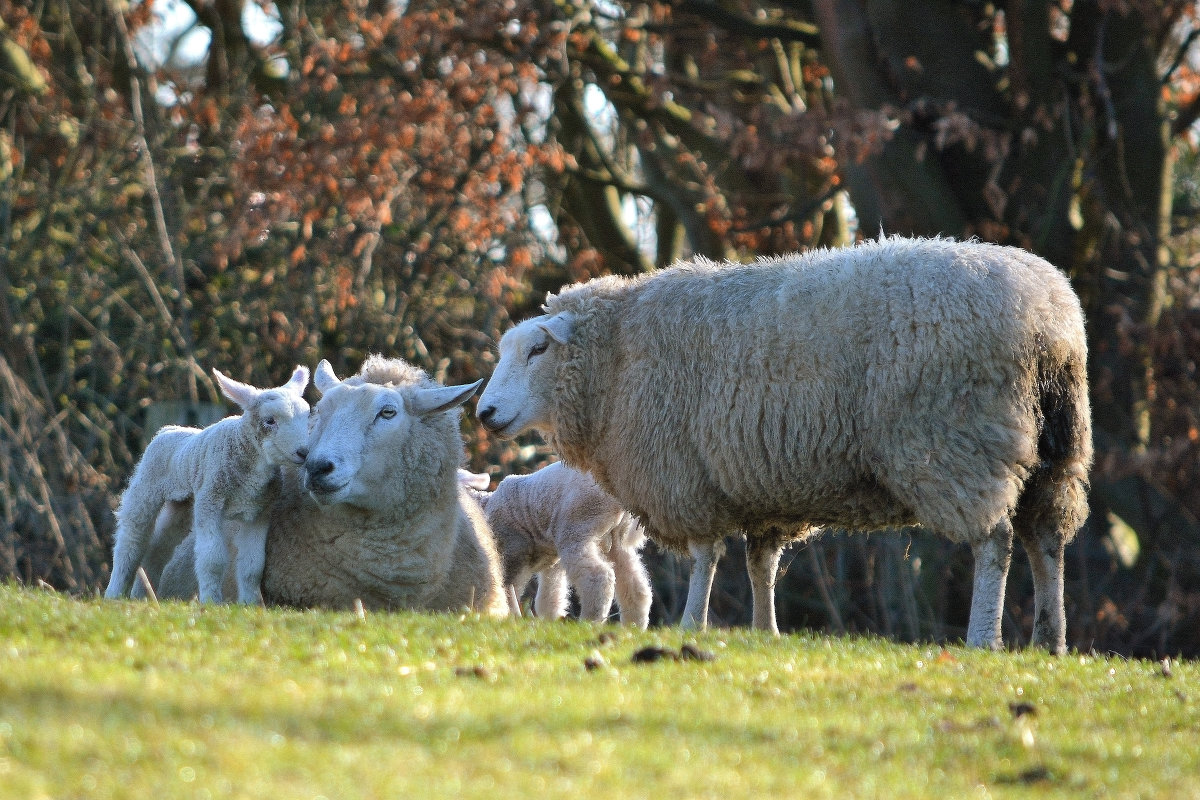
x: 361, y: 432
x: 278, y: 417
x: 519, y: 395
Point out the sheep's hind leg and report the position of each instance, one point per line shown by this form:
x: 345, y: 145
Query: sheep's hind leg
x: 1049, y: 615
x: 992, y: 558
x: 1053, y: 505
x: 762, y: 565
x: 704, y: 570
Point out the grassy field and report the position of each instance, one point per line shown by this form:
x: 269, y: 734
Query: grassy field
x: 123, y: 700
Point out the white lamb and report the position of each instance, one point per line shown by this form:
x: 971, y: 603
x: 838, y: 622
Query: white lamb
x: 376, y: 516
x: 903, y: 381
x: 223, y: 474
x: 559, y: 524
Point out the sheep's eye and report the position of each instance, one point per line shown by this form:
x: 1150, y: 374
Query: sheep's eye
x: 269, y: 422
x: 537, y: 349
x: 387, y: 412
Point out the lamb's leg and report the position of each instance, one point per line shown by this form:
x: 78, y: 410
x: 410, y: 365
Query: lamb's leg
x: 550, y: 602
x: 211, y: 554
x: 135, y: 523
x: 704, y: 570
x: 172, y: 525
x: 762, y: 564
x: 633, y: 585
x: 251, y: 543
x: 593, y: 579
x: 178, y: 579
x: 992, y: 557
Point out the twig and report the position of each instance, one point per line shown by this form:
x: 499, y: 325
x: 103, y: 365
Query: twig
x: 144, y: 580
x: 514, y: 604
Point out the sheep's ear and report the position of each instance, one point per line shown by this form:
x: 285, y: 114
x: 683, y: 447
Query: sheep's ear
x: 474, y: 480
x: 324, y: 379
x: 298, y: 382
x: 559, y: 327
x: 430, y: 401
x: 240, y: 393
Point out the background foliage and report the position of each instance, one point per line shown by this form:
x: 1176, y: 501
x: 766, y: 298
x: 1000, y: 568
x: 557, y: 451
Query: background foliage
x: 250, y: 185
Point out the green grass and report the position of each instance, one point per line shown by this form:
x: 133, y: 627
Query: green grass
x: 127, y: 699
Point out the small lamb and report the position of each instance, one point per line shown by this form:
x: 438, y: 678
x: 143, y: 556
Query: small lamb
x: 226, y: 471
x: 558, y: 523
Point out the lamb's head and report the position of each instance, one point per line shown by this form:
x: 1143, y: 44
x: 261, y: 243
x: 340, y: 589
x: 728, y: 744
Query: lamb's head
x: 277, y: 418
x: 362, y: 432
x: 519, y: 396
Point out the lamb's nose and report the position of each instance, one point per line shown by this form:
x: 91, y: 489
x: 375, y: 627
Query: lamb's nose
x: 302, y: 453
x: 318, y: 468
x: 485, y: 414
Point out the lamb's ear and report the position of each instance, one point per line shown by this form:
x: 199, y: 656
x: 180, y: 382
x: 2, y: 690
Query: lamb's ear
x: 240, y: 393
x: 298, y: 382
x: 559, y: 327
x: 430, y: 401
x: 474, y: 480
x: 324, y: 379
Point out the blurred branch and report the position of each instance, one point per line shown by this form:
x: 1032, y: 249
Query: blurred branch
x: 17, y: 69
x: 181, y: 332
x: 784, y: 30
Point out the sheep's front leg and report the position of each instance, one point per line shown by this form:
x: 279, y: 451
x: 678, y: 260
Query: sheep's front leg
x: 704, y: 571
x: 992, y: 557
x: 211, y: 555
x: 762, y: 564
x: 251, y: 543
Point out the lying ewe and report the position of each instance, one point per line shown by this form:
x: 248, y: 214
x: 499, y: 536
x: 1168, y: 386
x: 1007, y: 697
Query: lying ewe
x: 898, y: 382
x: 559, y: 524
x: 220, y: 474
x: 377, y: 513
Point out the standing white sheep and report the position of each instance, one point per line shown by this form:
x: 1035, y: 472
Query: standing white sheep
x: 377, y: 514
x: 558, y: 523
x: 901, y: 381
x: 222, y: 473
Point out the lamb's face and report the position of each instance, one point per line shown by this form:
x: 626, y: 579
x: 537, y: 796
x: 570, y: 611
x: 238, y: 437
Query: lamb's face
x: 518, y: 396
x: 281, y: 420
x: 278, y: 417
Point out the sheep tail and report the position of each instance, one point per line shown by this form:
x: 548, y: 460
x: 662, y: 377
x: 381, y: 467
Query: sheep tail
x: 1055, y: 494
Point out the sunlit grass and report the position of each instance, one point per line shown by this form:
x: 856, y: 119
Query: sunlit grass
x: 104, y: 699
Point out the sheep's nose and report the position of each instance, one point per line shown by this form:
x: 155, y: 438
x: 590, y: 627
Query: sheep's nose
x: 485, y: 414
x: 318, y: 468
x: 302, y: 453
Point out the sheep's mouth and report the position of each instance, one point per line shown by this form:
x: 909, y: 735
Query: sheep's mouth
x: 323, y: 493
x: 499, y: 429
